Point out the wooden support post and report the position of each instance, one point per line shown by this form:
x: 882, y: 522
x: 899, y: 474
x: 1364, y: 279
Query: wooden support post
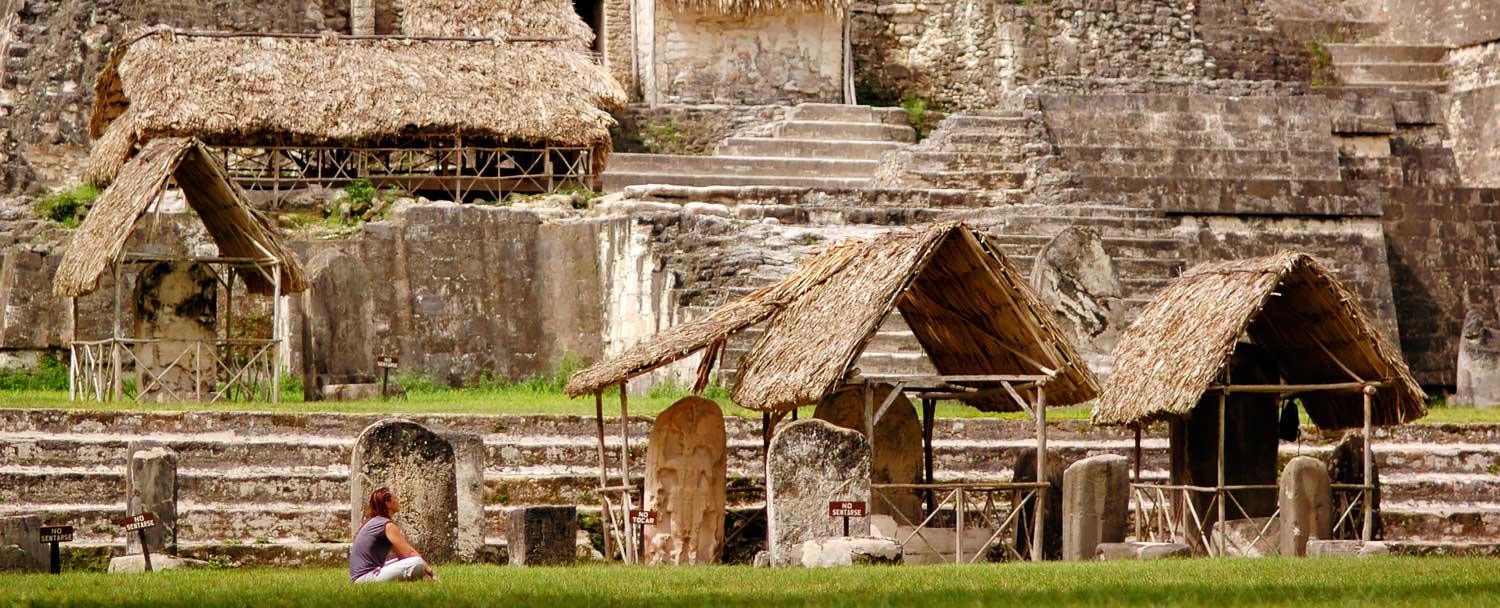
x: 1368, y: 531
x: 765, y: 478
x: 228, y: 355
x: 72, y: 349
x: 1137, y: 453
x: 625, y: 471
x: 276, y: 341
x: 868, y: 393
x: 929, y: 409
x: 116, y: 387
x: 958, y: 530
x: 1219, y: 495
x: 604, y: 518
x: 1038, y: 520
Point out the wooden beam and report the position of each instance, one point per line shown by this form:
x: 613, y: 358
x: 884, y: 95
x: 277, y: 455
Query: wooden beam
x: 1294, y: 388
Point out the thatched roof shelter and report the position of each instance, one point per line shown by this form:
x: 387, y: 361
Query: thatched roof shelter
x: 238, y: 230
x: 731, y: 7
x: 496, y: 19
x: 249, y: 90
x: 966, y: 303
x: 1288, y: 304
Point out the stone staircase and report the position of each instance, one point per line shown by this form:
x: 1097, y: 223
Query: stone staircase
x: 977, y: 150
x: 273, y: 488
x: 818, y: 146
x: 1391, y: 66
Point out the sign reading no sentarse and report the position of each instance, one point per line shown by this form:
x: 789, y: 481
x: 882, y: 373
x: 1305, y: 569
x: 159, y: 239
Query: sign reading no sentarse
x: 846, y: 508
x: 138, y: 522
x: 57, y: 534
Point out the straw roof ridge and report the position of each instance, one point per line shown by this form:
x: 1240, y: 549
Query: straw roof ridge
x: 967, y: 306
x: 1288, y: 303
x: 237, y: 228
x: 331, y: 91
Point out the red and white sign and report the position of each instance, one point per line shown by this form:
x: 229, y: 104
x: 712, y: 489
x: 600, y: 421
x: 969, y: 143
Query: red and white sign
x: 642, y: 517
x: 139, y: 522
x: 846, y: 508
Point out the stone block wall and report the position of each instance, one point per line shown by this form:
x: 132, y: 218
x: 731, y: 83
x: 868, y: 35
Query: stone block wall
x: 964, y: 53
x: 1473, y: 119
x: 782, y: 56
x: 1442, y: 22
x: 1442, y: 254
x: 619, y: 45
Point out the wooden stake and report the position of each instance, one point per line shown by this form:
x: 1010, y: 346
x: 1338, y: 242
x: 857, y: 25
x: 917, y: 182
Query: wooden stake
x: 117, y: 388
x: 605, y: 525
x: 929, y: 409
x: 1039, y: 517
x: 625, y: 471
x: 1219, y: 491
x: 1137, y: 453
x: 1368, y: 532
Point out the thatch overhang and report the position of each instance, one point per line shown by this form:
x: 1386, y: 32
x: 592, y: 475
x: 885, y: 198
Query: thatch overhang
x: 742, y: 7
x: 967, y: 305
x: 1309, y: 322
x: 496, y: 19
x: 237, y: 229
x: 251, y: 90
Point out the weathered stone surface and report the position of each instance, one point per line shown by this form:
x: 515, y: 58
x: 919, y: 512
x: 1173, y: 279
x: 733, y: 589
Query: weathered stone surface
x: 1052, y: 516
x: 896, y: 448
x: 418, y: 466
x: 20, y: 547
x: 542, y: 535
x: 1076, y: 277
x: 1305, y: 503
x: 339, y: 308
x: 1479, y: 358
x: 757, y: 57
x: 1346, y: 548
x: 151, y: 485
x: 1137, y: 550
x: 812, y: 463
x: 1095, y: 505
x: 176, y: 303
x: 468, y: 469
x: 832, y: 552
x: 1252, y: 537
x: 685, y: 484
x: 136, y: 564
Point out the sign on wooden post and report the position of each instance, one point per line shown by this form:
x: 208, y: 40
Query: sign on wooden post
x: 139, y: 524
x: 386, y: 363
x: 642, y: 518
x: 846, y: 509
x: 55, y: 536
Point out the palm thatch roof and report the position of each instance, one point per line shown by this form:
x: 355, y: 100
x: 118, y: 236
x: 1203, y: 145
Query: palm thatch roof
x: 280, y: 89
x: 968, y: 306
x: 741, y: 7
x: 496, y: 19
x: 238, y: 230
x: 1311, y: 324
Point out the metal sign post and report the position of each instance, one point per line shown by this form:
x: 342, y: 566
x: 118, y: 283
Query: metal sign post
x: 139, y: 524
x: 55, y: 536
x: 386, y: 363
x: 846, y: 509
x: 642, y: 518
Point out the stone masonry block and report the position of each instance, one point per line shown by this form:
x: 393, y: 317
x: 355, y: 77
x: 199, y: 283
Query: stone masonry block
x: 542, y: 535
x: 1096, y: 495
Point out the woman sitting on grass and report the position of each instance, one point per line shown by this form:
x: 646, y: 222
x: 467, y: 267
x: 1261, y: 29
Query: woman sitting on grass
x: 377, y: 538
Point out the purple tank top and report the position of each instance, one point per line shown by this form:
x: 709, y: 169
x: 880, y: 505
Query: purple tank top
x: 367, y: 553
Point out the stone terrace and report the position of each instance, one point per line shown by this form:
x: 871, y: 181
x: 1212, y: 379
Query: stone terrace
x: 273, y: 488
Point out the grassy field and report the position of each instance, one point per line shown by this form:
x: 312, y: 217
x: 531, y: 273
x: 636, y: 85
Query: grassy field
x: 521, y: 399
x: 1195, y: 583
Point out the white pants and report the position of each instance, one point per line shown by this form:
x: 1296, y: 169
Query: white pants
x: 409, y: 569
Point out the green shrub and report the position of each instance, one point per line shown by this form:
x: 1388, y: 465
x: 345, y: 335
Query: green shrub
x: 50, y: 374
x: 67, y: 207
x: 1320, y: 65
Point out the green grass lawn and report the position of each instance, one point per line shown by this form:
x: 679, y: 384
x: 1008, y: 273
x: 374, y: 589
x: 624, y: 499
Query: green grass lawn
x: 524, y: 399
x: 1191, y: 583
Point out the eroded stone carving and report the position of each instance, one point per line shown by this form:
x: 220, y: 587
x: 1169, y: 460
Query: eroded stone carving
x: 176, y: 308
x: 418, y: 465
x: 813, y: 462
x: 685, y: 484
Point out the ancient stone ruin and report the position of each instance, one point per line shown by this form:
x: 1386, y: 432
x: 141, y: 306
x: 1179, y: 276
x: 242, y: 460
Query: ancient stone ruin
x: 811, y: 463
x: 896, y: 449
x: 685, y: 484
x: 418, y: 466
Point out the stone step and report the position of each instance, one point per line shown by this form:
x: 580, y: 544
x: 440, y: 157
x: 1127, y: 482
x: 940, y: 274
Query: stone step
x: 802, y: 148
x: 1428, y: 87
x: 617, y: 181
x: 1355, y: 73
x: 1376, y: 53
x: 945, y: 159
x: 1447, y: 488
x: 836, y: 112
x: 1235, y: 157
x: 821, y: 129
x: 1441, y: 522
x: 741, y: 165
x: 1017, y: 124
x: 1251, y: 138
x: 1115, y: 246
x: 1109, y: 105
x: 1329, y: 171
x: 970, y: 179
x: 984, y: 142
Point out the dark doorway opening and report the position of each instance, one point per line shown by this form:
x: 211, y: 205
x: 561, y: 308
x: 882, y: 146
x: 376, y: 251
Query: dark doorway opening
x: 592, y: 12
